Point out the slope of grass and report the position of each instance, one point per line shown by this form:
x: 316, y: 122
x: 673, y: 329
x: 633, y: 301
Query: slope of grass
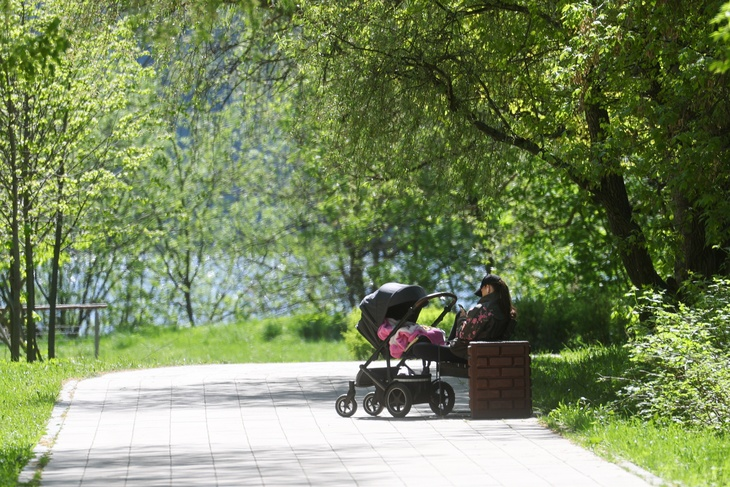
x: 243, y: 343
x: 27, y: 395
x: 573, y: 391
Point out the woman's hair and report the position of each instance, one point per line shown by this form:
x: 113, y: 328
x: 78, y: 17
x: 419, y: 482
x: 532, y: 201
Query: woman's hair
x: 505, y: 300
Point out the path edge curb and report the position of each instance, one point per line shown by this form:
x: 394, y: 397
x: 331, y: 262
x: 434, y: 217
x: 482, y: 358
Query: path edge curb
x: 43, y: 449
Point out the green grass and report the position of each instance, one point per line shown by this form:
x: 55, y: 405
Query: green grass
x: 570, y: 391
x: 243, y: 343
x: 691, y: 458
x: 27, y: 395
x: 573, y: 390
x: 586, y: 375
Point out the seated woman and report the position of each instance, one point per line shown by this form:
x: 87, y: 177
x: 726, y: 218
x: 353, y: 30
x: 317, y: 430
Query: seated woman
x: 493, y: 318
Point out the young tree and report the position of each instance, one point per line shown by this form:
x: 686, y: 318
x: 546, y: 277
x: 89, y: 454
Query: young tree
x: 66, y: 135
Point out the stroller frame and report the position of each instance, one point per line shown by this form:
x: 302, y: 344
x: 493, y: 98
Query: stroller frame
x: 397, y: 391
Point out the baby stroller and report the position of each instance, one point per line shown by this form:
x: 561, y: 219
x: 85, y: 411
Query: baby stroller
x: 397, y: 386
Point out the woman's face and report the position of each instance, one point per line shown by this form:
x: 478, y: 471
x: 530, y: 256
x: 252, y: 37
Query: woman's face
x: 487, y: 289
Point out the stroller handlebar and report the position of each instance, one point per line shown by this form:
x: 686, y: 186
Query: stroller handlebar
x: 426, y: 299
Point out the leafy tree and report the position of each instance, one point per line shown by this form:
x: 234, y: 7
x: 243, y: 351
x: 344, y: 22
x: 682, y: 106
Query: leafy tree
x: 722, y: 34
x: 65, y: 133
x: 609, y: 104
x: 24, y: 53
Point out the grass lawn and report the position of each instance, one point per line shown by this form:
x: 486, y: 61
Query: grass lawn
x: 568, y: 393
x: 572, y: 389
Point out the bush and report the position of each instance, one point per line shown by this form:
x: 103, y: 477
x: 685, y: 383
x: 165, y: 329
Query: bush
x: 310, y: 327
x: 272, y: 330
x: 681, y: 358
x: 358, y: 346
x: 569, y: 321
x: 315, y: 327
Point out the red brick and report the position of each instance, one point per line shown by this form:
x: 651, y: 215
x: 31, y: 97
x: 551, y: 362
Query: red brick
x: 487, y: 372
x: 479, y: 384
x: 513, y: 393
x: 484, y: 349
x: 514, y: 372
x: 522, y: 404
x: 514, y: 350
x: 486, y: 394
x: 499, y: 384
x: 500, y: 362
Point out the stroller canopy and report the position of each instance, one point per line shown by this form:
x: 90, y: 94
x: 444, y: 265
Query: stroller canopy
x: 391, y: 300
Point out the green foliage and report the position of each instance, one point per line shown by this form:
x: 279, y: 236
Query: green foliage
x: 551, y: 324
x: 33, y: 52
x: 272, y: 329
x: 590, y: 133
x: 671, y: 451
x: 357, y: 345
x: 722, y: 35
x: 676, y: 454
x: 577, y: 390
x: 310, y: 327
x: 680, y: 358
x: 581, y: 415
x: 314, y: 327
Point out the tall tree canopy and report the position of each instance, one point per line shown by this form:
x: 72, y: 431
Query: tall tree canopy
x: 614, y: 99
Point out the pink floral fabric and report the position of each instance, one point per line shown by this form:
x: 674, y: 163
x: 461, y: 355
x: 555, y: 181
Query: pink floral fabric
x: 407, y: 335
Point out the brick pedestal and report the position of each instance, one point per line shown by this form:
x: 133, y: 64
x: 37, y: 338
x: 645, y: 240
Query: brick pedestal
x: 499, y: 380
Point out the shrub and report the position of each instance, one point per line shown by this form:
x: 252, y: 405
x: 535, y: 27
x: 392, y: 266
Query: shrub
x: 680, y: 358
x: 271, y: 330
x: 356, y: 344
x: 319, y: 326
x: 569, y: 321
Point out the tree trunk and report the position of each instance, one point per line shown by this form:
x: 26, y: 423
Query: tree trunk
x: 53, y: 291
x: 27, y: 208
x: 16, y: 282
x: 632, y: 245
x: 612, y: 196
x: 15, y: 276
x: 30, y: 331
x: 187, y: 281
x: 188, y: 295
x: 353, y: 275
x: 696, y: 256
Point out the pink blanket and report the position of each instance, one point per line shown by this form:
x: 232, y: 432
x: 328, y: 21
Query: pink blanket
x: 407, y: 334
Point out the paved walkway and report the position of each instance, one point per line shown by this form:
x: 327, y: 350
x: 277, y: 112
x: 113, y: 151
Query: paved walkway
x: 276, y: 425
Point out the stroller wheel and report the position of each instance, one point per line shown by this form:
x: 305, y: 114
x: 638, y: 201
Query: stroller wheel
x: 398, y: 400
x: 442, y: 398
x: 346, y: 406
x: 372, y: 406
